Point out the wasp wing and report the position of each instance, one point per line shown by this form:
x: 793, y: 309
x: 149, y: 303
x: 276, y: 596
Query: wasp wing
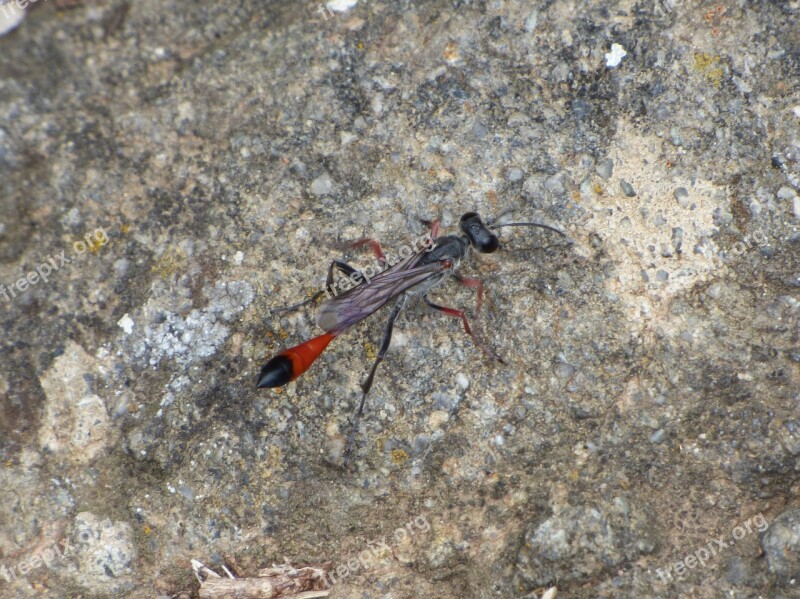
x: 356, y: 304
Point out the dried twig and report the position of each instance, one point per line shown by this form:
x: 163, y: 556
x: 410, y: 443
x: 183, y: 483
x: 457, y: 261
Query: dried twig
x: 280, y: 581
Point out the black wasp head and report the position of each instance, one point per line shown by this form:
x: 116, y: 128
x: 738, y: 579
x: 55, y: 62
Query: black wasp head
x: 479, y: 235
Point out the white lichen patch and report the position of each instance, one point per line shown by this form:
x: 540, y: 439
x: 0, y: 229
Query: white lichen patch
x: 75, y: 420
x: 199, y: 334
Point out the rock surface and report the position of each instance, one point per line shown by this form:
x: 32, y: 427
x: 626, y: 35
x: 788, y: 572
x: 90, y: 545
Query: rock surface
x: 648, y: 404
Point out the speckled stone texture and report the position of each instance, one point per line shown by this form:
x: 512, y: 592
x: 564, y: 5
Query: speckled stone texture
x: 649, y: 401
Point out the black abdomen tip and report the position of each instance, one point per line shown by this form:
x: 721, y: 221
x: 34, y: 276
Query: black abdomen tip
x: 276, y: 373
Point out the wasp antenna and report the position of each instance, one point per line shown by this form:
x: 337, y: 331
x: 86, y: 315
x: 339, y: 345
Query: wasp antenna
x: 529, y: 225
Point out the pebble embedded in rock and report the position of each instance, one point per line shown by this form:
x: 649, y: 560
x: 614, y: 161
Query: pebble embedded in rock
x: 682, y: 196
x: 580, y: 542
x: 322, y: 185
x: 514, y: 175
x: 462, y: 380
x: 605, y: 168
x: 781, y: 544
x: 627, y: 188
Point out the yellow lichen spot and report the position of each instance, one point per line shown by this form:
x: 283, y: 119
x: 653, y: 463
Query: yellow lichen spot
x: 372, y: 352
x: 598, y: 189
x: 574, y: 475
x: 708, y: 65
x: 399, y: 456
x: 95, y: 246
x: 275, y: 456
x: 703, y: 61
x: 147, y: 530
x: 9, y: 463
x: 172, y: 262
x: 283, y: 334
x: 277, y: 389
x: 125, y: 229
x: 360, y: 45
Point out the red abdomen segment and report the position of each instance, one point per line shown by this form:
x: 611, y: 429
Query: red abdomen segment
x: 291, y: 363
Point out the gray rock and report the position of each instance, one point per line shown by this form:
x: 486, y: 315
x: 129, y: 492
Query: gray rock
x: 231, y: 152
x: 582, y: 542
x: 781, y: 544
x: 105, y: 553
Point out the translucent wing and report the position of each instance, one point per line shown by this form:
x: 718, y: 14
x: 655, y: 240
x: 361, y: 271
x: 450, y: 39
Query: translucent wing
x: 356, y: 304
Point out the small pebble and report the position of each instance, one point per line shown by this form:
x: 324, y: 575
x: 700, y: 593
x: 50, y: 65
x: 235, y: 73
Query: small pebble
x: 322, y: 185
x: 514, y: 175
x: 677, y: 238
x: 462, y: 380
x: 682, y: 196
x: 605, y: 168
x: 126, y: 324
x: 479, y: 129
x: 627, y: 188
x: 616, y: 55
x: 662, y: 276
x: 658, y: 436
x: 676, y: 136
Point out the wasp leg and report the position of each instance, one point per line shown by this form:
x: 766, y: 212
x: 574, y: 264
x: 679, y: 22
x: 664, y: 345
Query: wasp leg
x: 367, y: 384
x: 335, y: 264
x: 460, y: 314
x: 374, y: 245
x: 475, y: 284
x: 434, y: 226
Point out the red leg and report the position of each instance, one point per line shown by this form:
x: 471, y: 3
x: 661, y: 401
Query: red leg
x: 433, y: 224
x: 373, y: 245
x: 475, y: 284
x: 460, y: 314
